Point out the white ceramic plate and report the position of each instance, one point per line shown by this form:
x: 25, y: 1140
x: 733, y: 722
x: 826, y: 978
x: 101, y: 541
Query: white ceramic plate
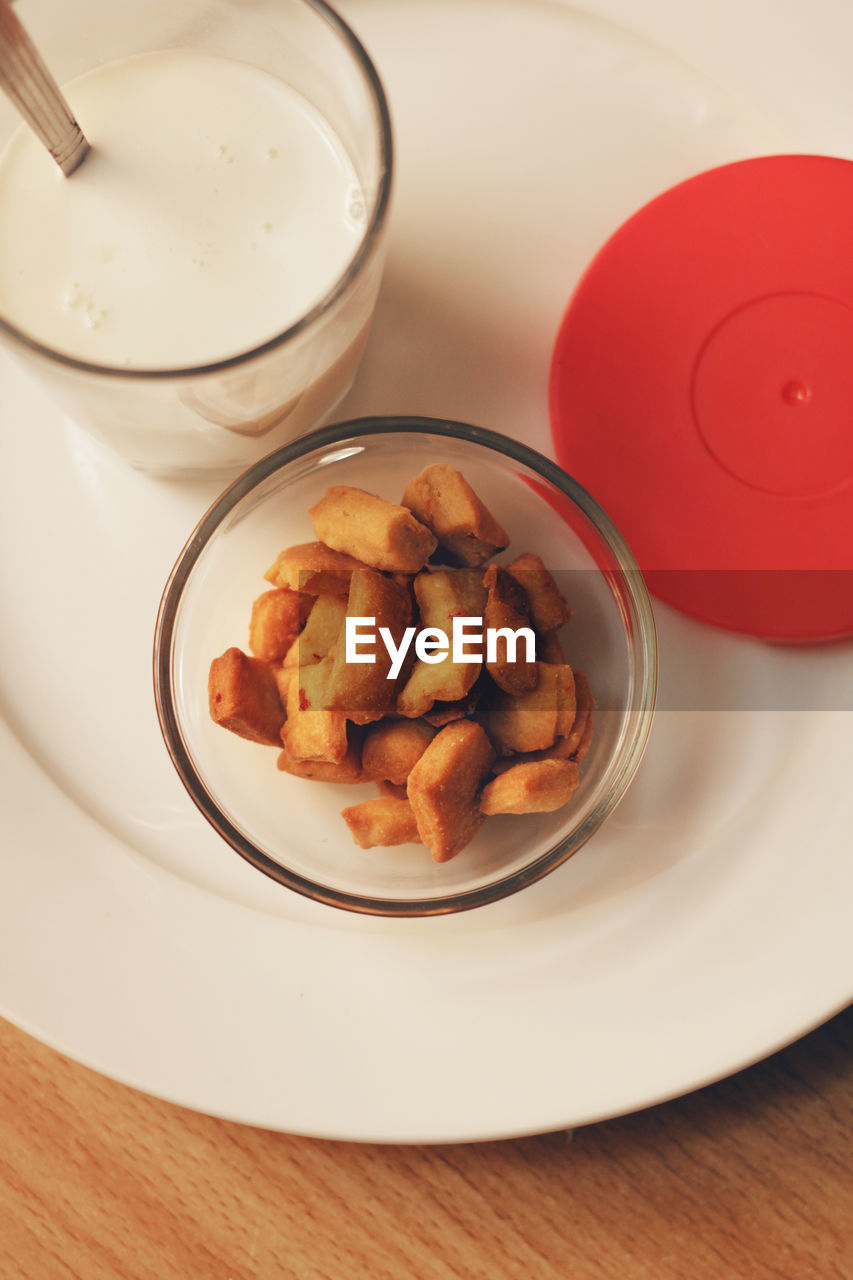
x: 704, y: 926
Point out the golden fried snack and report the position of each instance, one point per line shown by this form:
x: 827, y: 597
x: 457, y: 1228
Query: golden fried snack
x: 283, y: 676
x: 436, y: 726
x: 442, y: 713
x: 243, y: 697
x: 443, y: 787
x: 580, y: 735
x: 386, y: 788
x: 381, y: 534
x: 549, y: 648
x: 560, y: 750
x: 445, y: 682
x: 572, y: 747
x: 322, y: 628
x: 276, y: 618
x: 313, y: 569
x: 392, y: 748
x: 291, y: 658
x: 507, y: 609
x: 531, y: 788
x: 532, y: 721
x: 564, y: 683
x: 524, y: 723
x: 362, y: 691
x: 384, y: 820
x: 444, y: 501
x: 585, y: 740
x: 443, y: 595
x: 347, y: 770
x: 548, y: 607
x: 310, y: 731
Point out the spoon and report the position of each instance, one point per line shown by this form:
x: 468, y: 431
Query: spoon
x: 33, y: 90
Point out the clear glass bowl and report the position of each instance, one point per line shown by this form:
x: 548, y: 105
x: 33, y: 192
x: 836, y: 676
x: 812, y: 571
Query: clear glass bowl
x: 290, y: 828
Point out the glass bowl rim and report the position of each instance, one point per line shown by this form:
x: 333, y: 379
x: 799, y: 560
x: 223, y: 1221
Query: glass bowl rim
x: 644, y: 649
x: 366, y: 247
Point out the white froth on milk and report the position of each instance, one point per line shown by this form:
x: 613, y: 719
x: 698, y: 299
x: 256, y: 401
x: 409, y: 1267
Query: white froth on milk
x: 216, y: 208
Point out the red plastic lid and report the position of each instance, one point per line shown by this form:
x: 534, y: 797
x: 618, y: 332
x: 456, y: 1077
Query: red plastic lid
x: 702, y: 390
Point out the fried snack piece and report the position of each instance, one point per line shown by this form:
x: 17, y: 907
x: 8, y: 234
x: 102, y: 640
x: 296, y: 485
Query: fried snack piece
x: 291, y: 658
x: 585, y: 740
x: 507, y: 609
x: 572, y: 747
x: 276, y: 618
x: 443, y: 595
x: 580, y: 736
x: 444, y: 501
x: 362, y: 691
x: 548, y: 608
x: 560, y: 750
x: 549, y: 648
x: 283, y: 676
x: 311, y: 732
x: 386, y: 788
x: 443, y: 713
x: 444, y: 682
x: 564, y: 683
x: 347, y: 770
x: 384, y: 820
x: 531, y: 788
x: 313, y: 569
x: 392, y: 748
x: 443, y: 787
x: 322, y: 627
x: 243, y: 697
x: 381, y: 534
x: 533, y: 721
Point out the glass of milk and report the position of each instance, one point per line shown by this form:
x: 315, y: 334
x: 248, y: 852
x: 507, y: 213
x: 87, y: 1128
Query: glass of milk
x: 201, y: 290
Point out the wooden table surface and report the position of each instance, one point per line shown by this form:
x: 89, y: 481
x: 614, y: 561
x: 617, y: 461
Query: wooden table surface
x: 747, y: 1179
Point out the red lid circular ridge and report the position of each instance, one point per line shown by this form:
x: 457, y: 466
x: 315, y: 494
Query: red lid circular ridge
x: 702, y: 390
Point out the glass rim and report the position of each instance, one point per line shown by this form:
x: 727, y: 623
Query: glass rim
x: 366, y: 246
x: 640, y: 703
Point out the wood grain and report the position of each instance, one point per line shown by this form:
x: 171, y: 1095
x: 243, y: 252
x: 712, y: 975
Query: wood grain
x: 748, y: 1179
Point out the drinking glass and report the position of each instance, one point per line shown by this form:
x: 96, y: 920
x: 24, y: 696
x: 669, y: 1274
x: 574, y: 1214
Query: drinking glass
x: 227, y: 414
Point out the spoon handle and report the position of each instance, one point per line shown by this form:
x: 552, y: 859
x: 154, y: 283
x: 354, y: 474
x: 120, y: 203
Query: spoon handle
x: 28, y: 83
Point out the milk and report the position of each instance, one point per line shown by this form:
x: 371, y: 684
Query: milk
x: 216, y: 208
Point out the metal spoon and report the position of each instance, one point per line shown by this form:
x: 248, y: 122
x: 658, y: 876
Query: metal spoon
x: 28, y: 83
